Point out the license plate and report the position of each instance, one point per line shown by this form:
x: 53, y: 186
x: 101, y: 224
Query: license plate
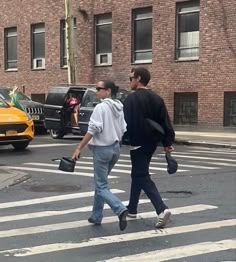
x: 35, y: 117
x: 11, y: 133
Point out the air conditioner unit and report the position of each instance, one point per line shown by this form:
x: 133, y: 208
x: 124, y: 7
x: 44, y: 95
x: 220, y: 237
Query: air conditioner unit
x: 104, y: 59
x: 38, y: 63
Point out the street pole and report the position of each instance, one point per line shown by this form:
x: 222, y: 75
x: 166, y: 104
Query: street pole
x: 69, y: 21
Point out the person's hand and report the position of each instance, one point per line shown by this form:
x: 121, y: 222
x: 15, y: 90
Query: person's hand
x: 168, y: 149
x: 76, y: 154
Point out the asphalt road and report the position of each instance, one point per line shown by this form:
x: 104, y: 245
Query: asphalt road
x: 45, y: 217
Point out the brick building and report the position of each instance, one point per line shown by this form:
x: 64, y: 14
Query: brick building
x: 189, y: 47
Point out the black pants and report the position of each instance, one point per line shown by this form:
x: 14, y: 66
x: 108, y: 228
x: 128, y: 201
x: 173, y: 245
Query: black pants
x: 141, y: 179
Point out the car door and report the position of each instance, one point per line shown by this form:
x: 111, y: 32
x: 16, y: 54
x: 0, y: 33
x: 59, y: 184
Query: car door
x: 54, y: 108
x: 87, y: 106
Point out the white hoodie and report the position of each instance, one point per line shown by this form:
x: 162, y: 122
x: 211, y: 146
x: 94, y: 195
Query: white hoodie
x: 107, y: 124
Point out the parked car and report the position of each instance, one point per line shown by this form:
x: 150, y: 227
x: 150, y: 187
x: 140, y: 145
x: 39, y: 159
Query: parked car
x: 56, y: 113
x: 35, y: 109
x: 16, y: 126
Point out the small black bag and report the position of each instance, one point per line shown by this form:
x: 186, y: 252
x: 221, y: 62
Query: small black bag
x: 67, y: 164
x: 172, y: 164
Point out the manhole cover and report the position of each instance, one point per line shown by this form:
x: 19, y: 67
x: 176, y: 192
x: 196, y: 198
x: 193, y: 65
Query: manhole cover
x: 177, y: 193
x: 54, y: 188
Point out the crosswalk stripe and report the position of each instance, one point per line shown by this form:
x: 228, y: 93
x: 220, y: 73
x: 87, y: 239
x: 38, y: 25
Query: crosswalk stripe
x: 213, y: 152
x: 193, y: 157
x: 41, y: 200
x: 42, y: 249
x: 59, y: 212
x: 48, y: 171
x: 51, y: 145
x: 178, y: 252
x: 192, y: 166
x: 106, y: 220
x: 213, y: 163
x: 91, y: 168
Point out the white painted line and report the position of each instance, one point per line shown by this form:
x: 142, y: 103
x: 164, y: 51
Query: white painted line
x: 192, y: 166
x: 214, y: 152
x: 193, y: 157
x: 79, y: 166
x: 58, y: 212
x: 212, y: 163
x: 48, y: 171
x: 42, y: 200
x: 51, y: 145
x: 106, y: 220
x: 178, y: 252
x: 36, y: 250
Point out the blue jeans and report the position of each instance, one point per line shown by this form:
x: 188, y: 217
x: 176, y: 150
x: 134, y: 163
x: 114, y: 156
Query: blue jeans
x: 104, y: 158
x: 141, y: 179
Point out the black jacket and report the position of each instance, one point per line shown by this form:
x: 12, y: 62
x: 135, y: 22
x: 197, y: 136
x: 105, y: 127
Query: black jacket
x: 142, y: 104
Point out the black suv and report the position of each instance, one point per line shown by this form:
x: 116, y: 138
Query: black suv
x: 35, y: 109
x: 56, y: 113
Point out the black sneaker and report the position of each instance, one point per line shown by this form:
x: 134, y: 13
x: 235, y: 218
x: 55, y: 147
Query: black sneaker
x: 90, y: 220
x: 122, y: 220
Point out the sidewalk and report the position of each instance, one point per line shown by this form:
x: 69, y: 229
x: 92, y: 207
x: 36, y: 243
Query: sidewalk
x: 205, y: 139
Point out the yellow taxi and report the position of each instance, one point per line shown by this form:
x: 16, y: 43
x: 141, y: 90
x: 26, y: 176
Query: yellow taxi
x: 16, y: 126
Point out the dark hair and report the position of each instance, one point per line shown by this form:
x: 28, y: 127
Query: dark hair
x: 108, y: 84
x: 143, y: 73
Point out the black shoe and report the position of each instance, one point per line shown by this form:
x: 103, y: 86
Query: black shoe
x: 122, y: 220
x: 90, y: 220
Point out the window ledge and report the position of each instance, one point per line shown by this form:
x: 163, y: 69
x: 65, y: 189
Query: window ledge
x: 38, y: 69
x: 191, y: 59
x: 11, y: 70
x: 104, y: 65
x: 141, y: 62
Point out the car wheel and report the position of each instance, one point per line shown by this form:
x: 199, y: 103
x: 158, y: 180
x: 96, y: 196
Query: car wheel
x: 20, y: 145
x: 55, y: 134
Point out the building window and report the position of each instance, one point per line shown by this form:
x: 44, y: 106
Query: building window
x: 142, y: 35
x: 188, y: 30
x: 63, y: 42
x: 11, y: 48
x: 38, y: 46
x: 230, y: 109
x: 185, y: 108
x: 103, y: 39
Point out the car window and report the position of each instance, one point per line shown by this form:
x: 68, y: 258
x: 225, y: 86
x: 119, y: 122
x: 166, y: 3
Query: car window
x: 90, y: 99
x: 3, y: 104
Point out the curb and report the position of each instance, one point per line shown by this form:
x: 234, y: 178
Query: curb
x: 204, y: 144
x: 10, y: 178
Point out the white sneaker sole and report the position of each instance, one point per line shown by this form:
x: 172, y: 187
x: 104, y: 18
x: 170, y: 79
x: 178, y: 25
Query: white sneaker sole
x: 163, y: 221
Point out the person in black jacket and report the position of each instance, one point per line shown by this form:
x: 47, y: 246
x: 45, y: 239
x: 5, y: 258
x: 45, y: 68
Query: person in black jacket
x: 141, y: 105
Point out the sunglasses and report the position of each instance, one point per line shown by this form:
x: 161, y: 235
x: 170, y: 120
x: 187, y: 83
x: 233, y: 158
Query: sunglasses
x: 98, y: 88
x: 130, y: 78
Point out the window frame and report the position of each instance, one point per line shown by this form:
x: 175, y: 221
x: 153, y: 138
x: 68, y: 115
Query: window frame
x: 100, y: 55
x: 145, y: 10
x: 33, y: 57
x: 6, y: 48
x: 179, y: 5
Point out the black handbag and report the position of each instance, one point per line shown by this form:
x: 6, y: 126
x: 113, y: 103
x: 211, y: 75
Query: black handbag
x: 67, y: 164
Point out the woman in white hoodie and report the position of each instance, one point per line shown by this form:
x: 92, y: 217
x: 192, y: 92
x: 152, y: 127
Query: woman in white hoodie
x: 105, y: 130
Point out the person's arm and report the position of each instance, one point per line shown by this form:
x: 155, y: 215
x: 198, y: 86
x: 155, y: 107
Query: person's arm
x: 81, y: 145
